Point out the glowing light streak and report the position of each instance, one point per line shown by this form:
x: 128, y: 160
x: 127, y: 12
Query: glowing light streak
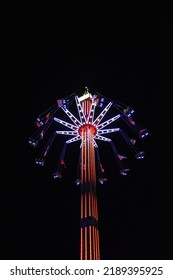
x: 91, y: 112
x: 95, y: 242
x: 89, y: 171
x: 95, y: 144
x: 102, y: 114
x: 65, y: 123
x: 85, y: 96
x: 102, y: 138
x: 93, y: 237
x: 67, y: 132
x: 81, y: 206
x: 96, y: 211
x: 82, y: 162
x: 86, y: 251
x: 89, y: 204
x: 100, y: 126
x: 80, y: 111
x: 85, y: 205
x: 72, y: 117
x: 98, y: 249
x: 81, y: 243
x: 90, y: 242
x: 108, y: 131
x: 73, y: 139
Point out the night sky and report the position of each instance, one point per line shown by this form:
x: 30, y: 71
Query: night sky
x: 54, y: 53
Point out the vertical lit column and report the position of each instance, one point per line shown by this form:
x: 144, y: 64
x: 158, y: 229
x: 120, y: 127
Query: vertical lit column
x: 89, y: 239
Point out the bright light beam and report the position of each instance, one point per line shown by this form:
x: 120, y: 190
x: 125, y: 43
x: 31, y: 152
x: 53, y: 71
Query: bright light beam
x: 100, y: 126
x: 98, y: 137
x: 102, y: 114
x: 71, y: 116
x: 108, y: 131
x: 69, y: 125
x: 67, y: 132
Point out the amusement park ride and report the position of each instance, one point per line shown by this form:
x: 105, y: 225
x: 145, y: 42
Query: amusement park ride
x: 88, y: 122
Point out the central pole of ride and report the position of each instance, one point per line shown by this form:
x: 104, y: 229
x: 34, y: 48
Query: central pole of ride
x: 89, y: 232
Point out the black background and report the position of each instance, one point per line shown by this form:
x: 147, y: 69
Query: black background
x: 51, y: 52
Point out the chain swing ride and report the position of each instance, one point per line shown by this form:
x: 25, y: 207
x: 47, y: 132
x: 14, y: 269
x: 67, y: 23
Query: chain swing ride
x: 88, y: 122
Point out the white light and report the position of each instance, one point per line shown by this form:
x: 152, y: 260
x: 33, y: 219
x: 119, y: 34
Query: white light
x: 65, y: 123
x: 103, y: 113
x: 73, y: 139
x: 108, y: 131
x: 102, y: 138
x: 67, y: 132
x: 85, y: 96
x: 72, y: 117
x: 108, y: 122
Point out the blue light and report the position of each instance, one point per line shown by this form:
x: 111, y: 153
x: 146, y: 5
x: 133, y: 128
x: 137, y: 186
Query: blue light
x: 128, y: 111
x: 139, y: 155
x: 33, y: 142
x: 40, y: 121
x: 143, y: 133
x: 39, y: 162
x: 57, y: 175
x: 65, y: 102
x: 77, y: 182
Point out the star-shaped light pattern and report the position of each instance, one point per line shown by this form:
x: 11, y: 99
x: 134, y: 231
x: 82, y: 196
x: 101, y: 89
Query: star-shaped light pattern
x: 96, y: 125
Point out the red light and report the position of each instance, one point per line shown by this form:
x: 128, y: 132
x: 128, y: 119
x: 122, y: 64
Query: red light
x: 87, y: 127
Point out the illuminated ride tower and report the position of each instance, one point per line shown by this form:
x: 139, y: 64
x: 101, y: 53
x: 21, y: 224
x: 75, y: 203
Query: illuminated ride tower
x: 89, y: 233
x: 87, y: 129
